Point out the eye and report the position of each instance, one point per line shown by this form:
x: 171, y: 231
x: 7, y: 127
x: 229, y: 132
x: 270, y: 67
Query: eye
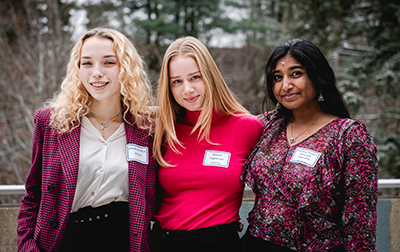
x: 86, y: 64
x: 297, y: 73
x: 196, y: 77
x: 110, y: 63
x: 276, y: 77
x: 175, y: 81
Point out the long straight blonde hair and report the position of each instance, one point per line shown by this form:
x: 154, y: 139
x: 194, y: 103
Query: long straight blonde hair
x: 74, y: 101
x: 217, y: 96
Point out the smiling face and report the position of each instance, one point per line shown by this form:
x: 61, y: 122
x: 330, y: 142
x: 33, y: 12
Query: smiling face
x: 99, y: 69
x: 292, y: 87
x: 186, y: 83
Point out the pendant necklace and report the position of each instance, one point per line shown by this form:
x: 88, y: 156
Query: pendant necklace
x: 105, y: 124
x: 293, y: 139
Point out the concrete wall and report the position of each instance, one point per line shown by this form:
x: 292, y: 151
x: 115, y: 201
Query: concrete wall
x: 388, y: 230
x: 8, y: 228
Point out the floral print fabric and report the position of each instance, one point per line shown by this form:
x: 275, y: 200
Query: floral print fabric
x: 314, y: 208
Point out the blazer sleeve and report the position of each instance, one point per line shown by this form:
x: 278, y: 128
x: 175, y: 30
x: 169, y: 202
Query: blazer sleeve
x: 29, y: 206
x: 150, y: 183
x: 360, y: 169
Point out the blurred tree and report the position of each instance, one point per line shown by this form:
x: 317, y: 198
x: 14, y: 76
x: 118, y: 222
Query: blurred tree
x: 34, y: 45
x: 261, y: 23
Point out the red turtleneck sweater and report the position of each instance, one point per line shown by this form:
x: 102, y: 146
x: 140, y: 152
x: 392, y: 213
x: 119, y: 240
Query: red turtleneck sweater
x: 204, y: 189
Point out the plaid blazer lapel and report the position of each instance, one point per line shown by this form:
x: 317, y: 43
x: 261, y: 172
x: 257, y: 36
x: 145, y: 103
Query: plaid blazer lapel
x: 69, y: 150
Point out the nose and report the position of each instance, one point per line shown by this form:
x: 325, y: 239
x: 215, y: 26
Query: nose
x: 287, y: 84
x: 188, y: 88
x: 98, y: 72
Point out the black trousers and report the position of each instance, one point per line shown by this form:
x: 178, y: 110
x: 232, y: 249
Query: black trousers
x: 105, y: 228
x: 251, y: 243
x: 220, y: 238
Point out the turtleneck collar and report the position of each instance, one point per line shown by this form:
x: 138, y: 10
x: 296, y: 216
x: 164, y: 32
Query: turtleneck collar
x: 191, y: 117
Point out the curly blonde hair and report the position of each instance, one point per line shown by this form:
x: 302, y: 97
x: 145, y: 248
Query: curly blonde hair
x: 74, y: 101
x: 217, y: 96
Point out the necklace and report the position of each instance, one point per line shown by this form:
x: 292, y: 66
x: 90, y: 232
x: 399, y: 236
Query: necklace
x: 293, y: 139
x: 104, y: 125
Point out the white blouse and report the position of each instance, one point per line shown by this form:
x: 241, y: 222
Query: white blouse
x: 103, y: 168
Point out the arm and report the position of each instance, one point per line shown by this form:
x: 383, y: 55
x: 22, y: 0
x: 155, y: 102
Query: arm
x: 150, y: 194
x: 29, y: 206
x: 247, y: 176
x: 360, y: 169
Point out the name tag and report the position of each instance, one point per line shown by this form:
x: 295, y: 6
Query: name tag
x: 305, y: 156
x: 216, y: 158
x: 137, y: 153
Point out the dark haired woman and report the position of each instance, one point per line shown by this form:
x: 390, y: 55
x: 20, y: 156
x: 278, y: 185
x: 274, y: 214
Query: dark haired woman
x: 314, y: 170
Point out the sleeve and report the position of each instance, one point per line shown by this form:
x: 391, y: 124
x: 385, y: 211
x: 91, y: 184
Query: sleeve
x: 247, y: 176
x: 360, y: 169
x: 29, y: 206
x: 251, y: 131
x: 150, y: 191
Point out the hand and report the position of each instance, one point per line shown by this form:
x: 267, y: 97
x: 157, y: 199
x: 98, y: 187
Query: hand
x: 240, y: 228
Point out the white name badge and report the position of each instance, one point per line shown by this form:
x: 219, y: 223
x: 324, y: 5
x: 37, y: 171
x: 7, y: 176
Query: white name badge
x: 137, y: 153
x: 216, y: 158
x: 305, y: 156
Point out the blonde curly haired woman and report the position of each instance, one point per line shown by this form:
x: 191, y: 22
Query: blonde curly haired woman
x: 91, y: 183
x: 203, y: 137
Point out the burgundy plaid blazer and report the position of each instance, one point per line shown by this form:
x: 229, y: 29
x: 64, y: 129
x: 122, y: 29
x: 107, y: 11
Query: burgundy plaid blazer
x: 51, y: 182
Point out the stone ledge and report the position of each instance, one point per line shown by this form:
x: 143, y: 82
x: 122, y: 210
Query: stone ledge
x: 388, y: 230
x: 8, y: 228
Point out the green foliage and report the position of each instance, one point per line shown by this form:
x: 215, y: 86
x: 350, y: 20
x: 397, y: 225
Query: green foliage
x: 388, y: 153
x: 263, y: 23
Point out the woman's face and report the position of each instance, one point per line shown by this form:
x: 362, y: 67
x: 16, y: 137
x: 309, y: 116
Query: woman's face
x: 99, y: 69
x: 292, y: 87
x: 186, y: 83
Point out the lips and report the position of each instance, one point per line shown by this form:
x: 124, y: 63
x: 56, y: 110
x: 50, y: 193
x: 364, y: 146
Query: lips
x: 98, y: 84
x: 289, y: 96
x: 192, y: 99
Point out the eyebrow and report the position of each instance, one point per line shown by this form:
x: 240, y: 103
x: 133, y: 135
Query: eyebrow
x: 290, y: 68
x: 174, y: 77
x: 105, y: 56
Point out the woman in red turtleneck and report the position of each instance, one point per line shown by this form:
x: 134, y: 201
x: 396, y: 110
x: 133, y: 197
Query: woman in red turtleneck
x: 203, y: 137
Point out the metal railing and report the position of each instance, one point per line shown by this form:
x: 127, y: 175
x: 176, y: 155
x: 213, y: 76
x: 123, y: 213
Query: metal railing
x: 388, y: 183
x: 12, y: 189
x: 20, y: 189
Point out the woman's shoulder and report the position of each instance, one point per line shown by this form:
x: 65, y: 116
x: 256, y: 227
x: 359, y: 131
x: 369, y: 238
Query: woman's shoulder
x: 346, y: 125
x: 146, y: 125
x: 352, y: 130
x: 42, y: 116
x: 269, y: 116
x: 247, y: 121
x: 247, y: 118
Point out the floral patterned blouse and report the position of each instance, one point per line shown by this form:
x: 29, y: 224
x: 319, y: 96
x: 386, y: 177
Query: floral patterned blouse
x: 318, y: 194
